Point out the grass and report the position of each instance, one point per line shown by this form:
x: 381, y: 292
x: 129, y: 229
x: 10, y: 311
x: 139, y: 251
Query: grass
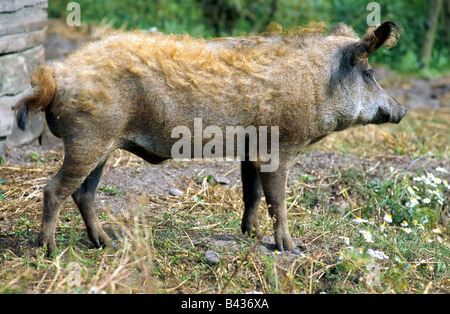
x: 333, y: 213
x: 412, y: 251
x: 111, y: 190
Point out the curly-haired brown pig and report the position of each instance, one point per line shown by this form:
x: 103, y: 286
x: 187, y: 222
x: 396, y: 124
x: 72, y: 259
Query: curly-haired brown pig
x: 130, y: 90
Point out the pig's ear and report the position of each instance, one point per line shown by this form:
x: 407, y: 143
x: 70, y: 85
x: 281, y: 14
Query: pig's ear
x: 385, y: 34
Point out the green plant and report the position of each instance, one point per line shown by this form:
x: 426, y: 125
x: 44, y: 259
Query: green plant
x: 2, y: 197
x: 36, y: 158
x: 111, y: 190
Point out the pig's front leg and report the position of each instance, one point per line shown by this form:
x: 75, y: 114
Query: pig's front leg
x: 251, y: 191
x: 274, y: 187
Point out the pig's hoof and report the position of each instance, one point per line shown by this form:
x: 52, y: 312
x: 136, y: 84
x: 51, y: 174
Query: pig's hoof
x: 250, y: 230
x: 101, y: 239
x: 48, y: 243
x: 284, y: 241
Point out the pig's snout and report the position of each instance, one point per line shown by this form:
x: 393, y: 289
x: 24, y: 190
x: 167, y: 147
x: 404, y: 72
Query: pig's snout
x: 393, y: 112
x: 398, y: 111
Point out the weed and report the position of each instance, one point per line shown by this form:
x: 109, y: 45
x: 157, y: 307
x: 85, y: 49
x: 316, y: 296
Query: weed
x: 1, y: 191
x: 111, y: 190
x: 36, y: 158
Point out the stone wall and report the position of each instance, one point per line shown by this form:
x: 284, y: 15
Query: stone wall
x: 22, y: 34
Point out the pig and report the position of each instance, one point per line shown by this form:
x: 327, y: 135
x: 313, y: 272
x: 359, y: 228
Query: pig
x: 131, y: 90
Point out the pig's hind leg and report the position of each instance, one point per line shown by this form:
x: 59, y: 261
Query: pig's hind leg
x: 78, y: 176
x: 84, y: 197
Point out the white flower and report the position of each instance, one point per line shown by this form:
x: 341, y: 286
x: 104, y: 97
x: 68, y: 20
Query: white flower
x: 419, y: 179
x: 359, y: 220
x: 432, y: 180
x: 387, y: 218
x: 404, y: 224
x: 441, y: 170
x: 346, y: 240
x: 407, y: 230
x: 367, y: 235
x: 437, y: 193
x: 377, y: 254
x: 446, y: 184
x: 426, y: 200
x: 419, y: 226
x: 413, y: 202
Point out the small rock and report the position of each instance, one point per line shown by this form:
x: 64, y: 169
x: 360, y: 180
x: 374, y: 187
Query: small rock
x: 175, y: 192
x: 254, y: 292
x: 211, y: 257
x: 222, y: 180
x: 114, y: 245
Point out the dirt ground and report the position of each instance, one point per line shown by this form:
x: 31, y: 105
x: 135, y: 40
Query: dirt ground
x: 130, y: 176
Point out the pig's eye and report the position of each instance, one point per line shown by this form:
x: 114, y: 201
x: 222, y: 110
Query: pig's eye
x: 368, y: 75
